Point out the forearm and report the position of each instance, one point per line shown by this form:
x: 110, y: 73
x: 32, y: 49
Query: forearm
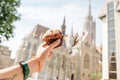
x: 12, y: 73
x: 16, y: 73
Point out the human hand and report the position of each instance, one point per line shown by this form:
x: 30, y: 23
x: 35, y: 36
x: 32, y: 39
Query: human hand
x: 34, y: 65
x: 45, y: 50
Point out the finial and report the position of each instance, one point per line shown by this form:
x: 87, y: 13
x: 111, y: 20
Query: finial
x: 89, y: 7
x: 64, y: 20
x: 72, y: 29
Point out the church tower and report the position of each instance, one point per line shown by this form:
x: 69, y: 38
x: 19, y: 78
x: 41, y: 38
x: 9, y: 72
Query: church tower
x: 71, y: 39
x: 89, y: 27
x: 89, y: 24
x: 88, y: 46
x: 63, y: 27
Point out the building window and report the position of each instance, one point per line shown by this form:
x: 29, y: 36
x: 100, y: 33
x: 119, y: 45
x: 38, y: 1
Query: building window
x: 72, y: 77
x: 111, y: 27
x: 111, y: 5
x: 87, y: 44
x: 113, y: 67
x: 111, y: 40
x: 35, y: 47
x: 63, y: 64
x: 86, y: 61
x: 110, y: 10
x: 111, y: 24
x: 28, y: 46
x: 26, y: 56
x: 111, y: 35
x: 111, y: 14
x: 111, y: 46
x: 92, y: 36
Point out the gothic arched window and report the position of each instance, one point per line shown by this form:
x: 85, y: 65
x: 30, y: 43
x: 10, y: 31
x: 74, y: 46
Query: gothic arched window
x: 86, y: 61
x: 28, y: 45
x: 63, y: 64
x: 34, y: 47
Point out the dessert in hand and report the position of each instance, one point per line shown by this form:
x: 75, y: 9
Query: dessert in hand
x: 52, y: 35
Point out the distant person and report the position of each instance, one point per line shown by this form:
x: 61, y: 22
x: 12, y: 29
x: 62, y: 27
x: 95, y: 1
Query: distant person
x: 24, y: 69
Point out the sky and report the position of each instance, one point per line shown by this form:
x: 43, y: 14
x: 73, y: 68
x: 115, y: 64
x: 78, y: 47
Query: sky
x: 50, y: 13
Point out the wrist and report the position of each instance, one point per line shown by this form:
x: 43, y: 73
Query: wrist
x: 25, y: 69
x: 33, y: 65
x: 37, y: 61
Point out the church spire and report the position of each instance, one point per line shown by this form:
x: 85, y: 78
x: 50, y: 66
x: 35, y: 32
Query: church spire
x: 89, y: 15
x: 63, y: 27
x: 71, y: 38
x: 89, y: 11
x: 72, y: 30
x: 64, y: 20
x: 89, y: 18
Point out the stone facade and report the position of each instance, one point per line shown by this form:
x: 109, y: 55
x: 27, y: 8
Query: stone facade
x: 5, y: 60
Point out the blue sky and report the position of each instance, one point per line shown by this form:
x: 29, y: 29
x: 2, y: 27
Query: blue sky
x: 50, y: 13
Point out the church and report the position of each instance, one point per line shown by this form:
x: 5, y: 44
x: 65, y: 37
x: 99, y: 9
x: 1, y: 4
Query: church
x: 77, y: 59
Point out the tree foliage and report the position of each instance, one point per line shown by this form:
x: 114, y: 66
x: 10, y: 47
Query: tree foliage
x: 8, y: 15
x: 96, y: 75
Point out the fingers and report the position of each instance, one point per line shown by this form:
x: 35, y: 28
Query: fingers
x: 44, y: 44
x: 54, y: 44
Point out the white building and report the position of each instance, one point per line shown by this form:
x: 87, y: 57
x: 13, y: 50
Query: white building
x: 110, y: 15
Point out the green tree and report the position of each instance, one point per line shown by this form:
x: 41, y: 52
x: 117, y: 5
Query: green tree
x: 96, y: 75
x: 8, y: 15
